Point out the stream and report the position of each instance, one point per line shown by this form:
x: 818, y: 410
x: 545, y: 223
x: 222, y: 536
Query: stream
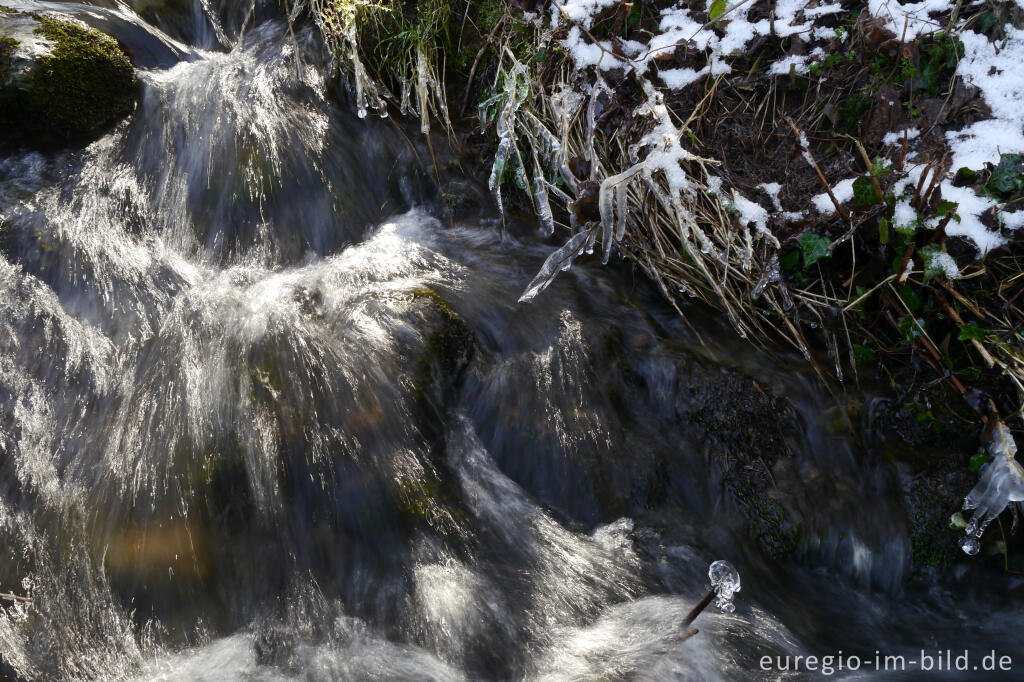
x: 267, y: 414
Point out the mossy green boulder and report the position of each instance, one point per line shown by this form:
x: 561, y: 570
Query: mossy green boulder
x: 59, y: 79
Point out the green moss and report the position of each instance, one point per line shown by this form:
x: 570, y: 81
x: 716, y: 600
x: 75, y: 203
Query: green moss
x: 7, y: 47
x: 447, y: 348
x: 86, y: 82
x: 7, y: 10
x: 424, y: 501
x: 452, y: 342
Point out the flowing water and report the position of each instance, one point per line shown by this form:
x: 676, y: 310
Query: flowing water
x: 264, y: 416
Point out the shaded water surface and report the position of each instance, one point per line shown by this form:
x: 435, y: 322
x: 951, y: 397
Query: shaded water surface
x: 264, y: 416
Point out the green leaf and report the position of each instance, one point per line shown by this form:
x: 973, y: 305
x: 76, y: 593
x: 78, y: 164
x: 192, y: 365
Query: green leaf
x: 970, y: 331
x: 944, y: 208
x: 883, y: 230
x: 965, y: 176
x: 929, y: 254
x: 910, y: 328
x: 910, y: 298
x: 716, y: 9
x: 880, y: 167
x: 864, y: 193
x: 813, y: 247
x: 978, y: 460
x: 790, y: 260
x: 1007, y: 177
x: 863, y: 355
x: 858, y: 292
x: 970, y: 374
x: 897, y: 265
x: 929, y: 78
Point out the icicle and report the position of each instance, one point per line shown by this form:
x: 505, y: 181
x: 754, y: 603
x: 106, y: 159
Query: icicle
x: 421, y: 89
x: 498, y: 170
x: 591, y: 155
x: 560, y: 260
x: 540, y: 199
x: 591, y: 241
x: 620, y: 210
x: 551, y: 148
x: 505, y: 128
x: 559, y: 194
x: 609, y: 229
x: 1001, y: 484
x: 406, y: 104
x: 770, y: 275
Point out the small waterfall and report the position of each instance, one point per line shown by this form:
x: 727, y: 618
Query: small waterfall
x: 264, y: 416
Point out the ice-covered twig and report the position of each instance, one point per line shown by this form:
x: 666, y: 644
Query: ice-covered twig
x: 14, y: 597
x: 561, y: 259
x: 725, y: 582
x: 1001, y: 484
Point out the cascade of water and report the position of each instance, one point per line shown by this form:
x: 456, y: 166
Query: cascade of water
x: 263, y: 417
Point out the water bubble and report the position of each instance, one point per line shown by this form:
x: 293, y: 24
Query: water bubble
x: 725, y: 580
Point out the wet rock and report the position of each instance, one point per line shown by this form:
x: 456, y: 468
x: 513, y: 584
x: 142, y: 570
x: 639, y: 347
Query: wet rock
x: 931, y: 497
x: 748, y: 433
x: 449, y: 343
x: 59, y: 79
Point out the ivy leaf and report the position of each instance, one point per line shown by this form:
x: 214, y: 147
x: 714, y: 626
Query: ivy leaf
x: 910, y: 298
x: 930, y: 254
x: 910, y: 328
x: 716, y: 10
x: 813, y: 247
x: 864, y: 193
x: 880, y: 167
x: 1007, y: 176
x: 965, y: 176
x: 971, y: 332
x: 790, y: 260
x: 863, y: 355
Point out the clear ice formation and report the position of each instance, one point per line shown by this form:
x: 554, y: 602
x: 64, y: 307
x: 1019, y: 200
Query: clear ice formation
x: 725, y: 581
x: 1001, y: 484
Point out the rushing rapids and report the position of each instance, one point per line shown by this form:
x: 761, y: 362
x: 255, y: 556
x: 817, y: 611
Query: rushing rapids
x: 264, y: 416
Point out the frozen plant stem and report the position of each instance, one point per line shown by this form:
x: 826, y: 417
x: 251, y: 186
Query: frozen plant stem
x: 701, y: 605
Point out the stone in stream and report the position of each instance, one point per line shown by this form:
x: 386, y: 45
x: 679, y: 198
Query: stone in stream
x: 59, y: 79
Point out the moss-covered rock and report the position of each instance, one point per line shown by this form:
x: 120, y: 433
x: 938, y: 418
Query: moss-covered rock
x: 449, y: 342
x: 59, y: 79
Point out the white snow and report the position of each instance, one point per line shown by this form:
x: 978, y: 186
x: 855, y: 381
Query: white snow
x: 772, y: 189
x: 997, y: 70
x: 897, y: 136
x: 585, y: 53
x: 904, y: 217
x: 795, y: 63
x: 970, y: 208
x: 1013, y: 221
x: 680, y: 27
x: 843, y: 192
x: 677, y: 79
x: 944, y: 263
x: 582, y: 12
x: 911, y: 20
x: 750, y: 212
